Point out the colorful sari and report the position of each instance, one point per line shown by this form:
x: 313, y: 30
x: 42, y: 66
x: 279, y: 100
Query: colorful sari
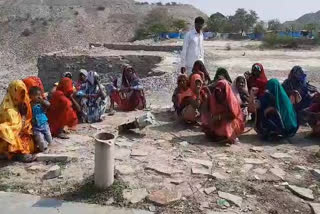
x: 282, y: 122
x: 297, y: 81
x: 129, y: 95
x: 224, y: 128
x: 178, y: 91
x: 61, y: 112
x: 188, y: 112
x: 16, y: 131
x: 34, y: 81
x: 93, y: 104
x: 259, y: 82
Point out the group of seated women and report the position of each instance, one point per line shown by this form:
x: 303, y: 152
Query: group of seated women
x: 222, y: 106
x: 29, y: 117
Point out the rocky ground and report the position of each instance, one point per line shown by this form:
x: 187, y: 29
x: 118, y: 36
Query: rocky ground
x: 170, y: 167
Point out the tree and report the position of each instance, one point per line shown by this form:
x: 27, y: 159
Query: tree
x: 259, y: 28
x: 274, y: 25
x: 216, y: 22
x: 243, y: 20
x: 179, y: 24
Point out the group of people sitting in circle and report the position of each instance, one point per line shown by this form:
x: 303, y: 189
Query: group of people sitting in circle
x: 222, y: 107
x: 29, y: 117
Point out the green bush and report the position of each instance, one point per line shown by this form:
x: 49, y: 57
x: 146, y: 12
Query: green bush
x: 276, y: 41
x: 159, y: 21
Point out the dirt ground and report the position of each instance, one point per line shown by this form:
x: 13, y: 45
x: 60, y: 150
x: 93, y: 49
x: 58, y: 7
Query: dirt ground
x: 180, y: 159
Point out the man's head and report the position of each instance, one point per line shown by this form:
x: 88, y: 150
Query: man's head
x: 199, y: 23
x: 35, y: 94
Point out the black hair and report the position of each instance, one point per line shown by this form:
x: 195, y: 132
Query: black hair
x: 199, y: 20
x: 34, y: 90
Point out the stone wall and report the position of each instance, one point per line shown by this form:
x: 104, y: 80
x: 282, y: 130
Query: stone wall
x: 163, y: 48
x: 51, y: 67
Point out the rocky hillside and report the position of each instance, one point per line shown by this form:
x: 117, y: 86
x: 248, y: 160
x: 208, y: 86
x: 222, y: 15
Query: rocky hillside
x: 310, y: 18
x: 30, y: 27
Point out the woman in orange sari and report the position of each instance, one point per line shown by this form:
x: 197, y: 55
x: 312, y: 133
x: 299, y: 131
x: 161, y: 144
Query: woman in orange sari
x: 63, y: 108
x: 190, y: 101
x: 15, y: 124
x: 224, y: 120
x: 34, y: 81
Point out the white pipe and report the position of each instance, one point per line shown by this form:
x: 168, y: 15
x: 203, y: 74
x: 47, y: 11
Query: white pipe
x: 104, y: 160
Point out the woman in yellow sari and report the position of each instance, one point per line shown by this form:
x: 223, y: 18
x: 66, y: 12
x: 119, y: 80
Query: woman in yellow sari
x: 15, y: 124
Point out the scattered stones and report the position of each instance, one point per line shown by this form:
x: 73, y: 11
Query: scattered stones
x: 232, y: 198
x: 204, y: 205
x: 37, y: 168
x: 280, y: 156
x: 152, y: 208
x: 253, y: 161
x: 223, y: 203
x: 219, y: 176
x: 200, y: 171
x: 164, y: 197
x: 124, y: 144
x: 246, y: 167
x: 278, y: 172
x: 205, y: 163
x: 316, y: 173
x: 260, y: 171
x: 315, y: 208
x: 301, y: 192
x: 184, y: 143
x: 301, y: 168
x: 53, y: 172
x: 210, y: 190
x: 138, y: 152
x: 110, y: 201
x: 124, y: 169
x: 163, y: 169
x: 177, y: 181
x: 53, y: 157
x: 256, y: 149
x: 135, y: 195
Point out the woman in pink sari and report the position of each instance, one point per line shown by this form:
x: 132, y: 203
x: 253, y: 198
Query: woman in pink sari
x: 224, y: 119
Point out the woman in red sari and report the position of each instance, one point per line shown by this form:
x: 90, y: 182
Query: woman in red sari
x: 127, y: 92
x: 257, y: 79
x: 224, y: 120
x: 63, y: 108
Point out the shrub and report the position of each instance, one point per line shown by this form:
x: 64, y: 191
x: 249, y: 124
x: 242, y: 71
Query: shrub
x: 276, y: 41
x: 76, y: 13
x: 159, y: 21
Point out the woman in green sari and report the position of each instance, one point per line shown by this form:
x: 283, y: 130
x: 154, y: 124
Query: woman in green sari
x: 276, y: 116
x: 222, y: 74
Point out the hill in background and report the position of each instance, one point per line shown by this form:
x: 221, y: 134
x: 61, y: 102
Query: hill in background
x: 307, y: 19
x: 31, y: 27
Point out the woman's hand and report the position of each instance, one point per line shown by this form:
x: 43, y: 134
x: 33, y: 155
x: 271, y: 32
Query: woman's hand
x: 23, y: 110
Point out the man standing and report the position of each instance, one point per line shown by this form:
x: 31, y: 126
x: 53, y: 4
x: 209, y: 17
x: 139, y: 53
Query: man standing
x: 192, y: 47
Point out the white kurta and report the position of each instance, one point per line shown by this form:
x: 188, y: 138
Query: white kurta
x: 192, y: 49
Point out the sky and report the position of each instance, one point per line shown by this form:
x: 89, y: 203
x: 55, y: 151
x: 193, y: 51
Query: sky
x: 284, y: 10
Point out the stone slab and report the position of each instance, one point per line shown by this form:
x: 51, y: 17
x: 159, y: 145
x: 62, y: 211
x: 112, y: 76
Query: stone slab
x: 17, y: 203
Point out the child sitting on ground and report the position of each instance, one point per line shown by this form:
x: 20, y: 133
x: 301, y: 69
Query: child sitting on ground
x: 41, y: 129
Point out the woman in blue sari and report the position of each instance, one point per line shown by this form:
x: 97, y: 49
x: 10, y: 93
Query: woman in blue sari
x: 276, y: 116
x: 299, y: 91
x: 93, y: 99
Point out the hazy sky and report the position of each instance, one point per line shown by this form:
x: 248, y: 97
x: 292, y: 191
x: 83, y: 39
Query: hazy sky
x: 285, y: 10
